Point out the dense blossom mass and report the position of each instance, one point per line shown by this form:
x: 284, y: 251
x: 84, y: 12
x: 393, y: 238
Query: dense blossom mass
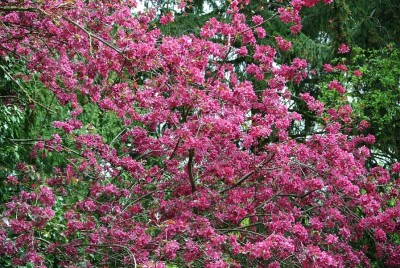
x: 205, y: 172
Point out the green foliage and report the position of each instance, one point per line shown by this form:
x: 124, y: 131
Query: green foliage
x: 377, y: 96
x: 369, y: 25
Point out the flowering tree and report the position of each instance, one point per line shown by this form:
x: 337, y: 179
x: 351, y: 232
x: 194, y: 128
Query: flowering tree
x: 203, y: 172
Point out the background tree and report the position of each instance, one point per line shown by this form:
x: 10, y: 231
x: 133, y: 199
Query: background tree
x: 371, y: 32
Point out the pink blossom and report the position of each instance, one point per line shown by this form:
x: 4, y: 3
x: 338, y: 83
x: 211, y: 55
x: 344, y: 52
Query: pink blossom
x: 312, y: 103
x: 357, y: 73
x: 380, y: 235
x: 328, y: 68
x: 242, y: 51
x: 274, y: 264
x: 341, y: 67
x: 285, y: 15
x: 257, y: 19
x: 343, y: 49
x: 283, y: 44
x: 331, y: 239
x: 260, y: 32
x: 310, y: 3
x: 396, y: 168
x: 336, y: 85
x: 13, y: 179
x: 168, y: 18
x: 46, y: 196
x: 170, y: 249
x: 363, y: 125
x: 295, y: 29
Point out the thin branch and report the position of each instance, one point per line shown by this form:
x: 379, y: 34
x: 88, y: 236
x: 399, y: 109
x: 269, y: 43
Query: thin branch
x: 68, y: 160
x: 26, y: 93
x: 257, y: 25
x: 269, y: 199
x: 25, y: 140
x: 110, y: 246
x: 220, y: 65
x: 49, y: 243
x: 240, y: 230
x: 143, y: 155
x: 9, y: 96
x: 250, y: 225
x: 116, y: 137
x: 190, y: 170
x: 245, y: 177
x: 255, y: 215
x: 15, y: 8
x: 311, y: 208
x: 138, y: 199
x: 175, y: 148
x: 309, y: 167
x: 240, y: 181
x: 92, y: 35
x: 13, y: 51
x: 297, y: 196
